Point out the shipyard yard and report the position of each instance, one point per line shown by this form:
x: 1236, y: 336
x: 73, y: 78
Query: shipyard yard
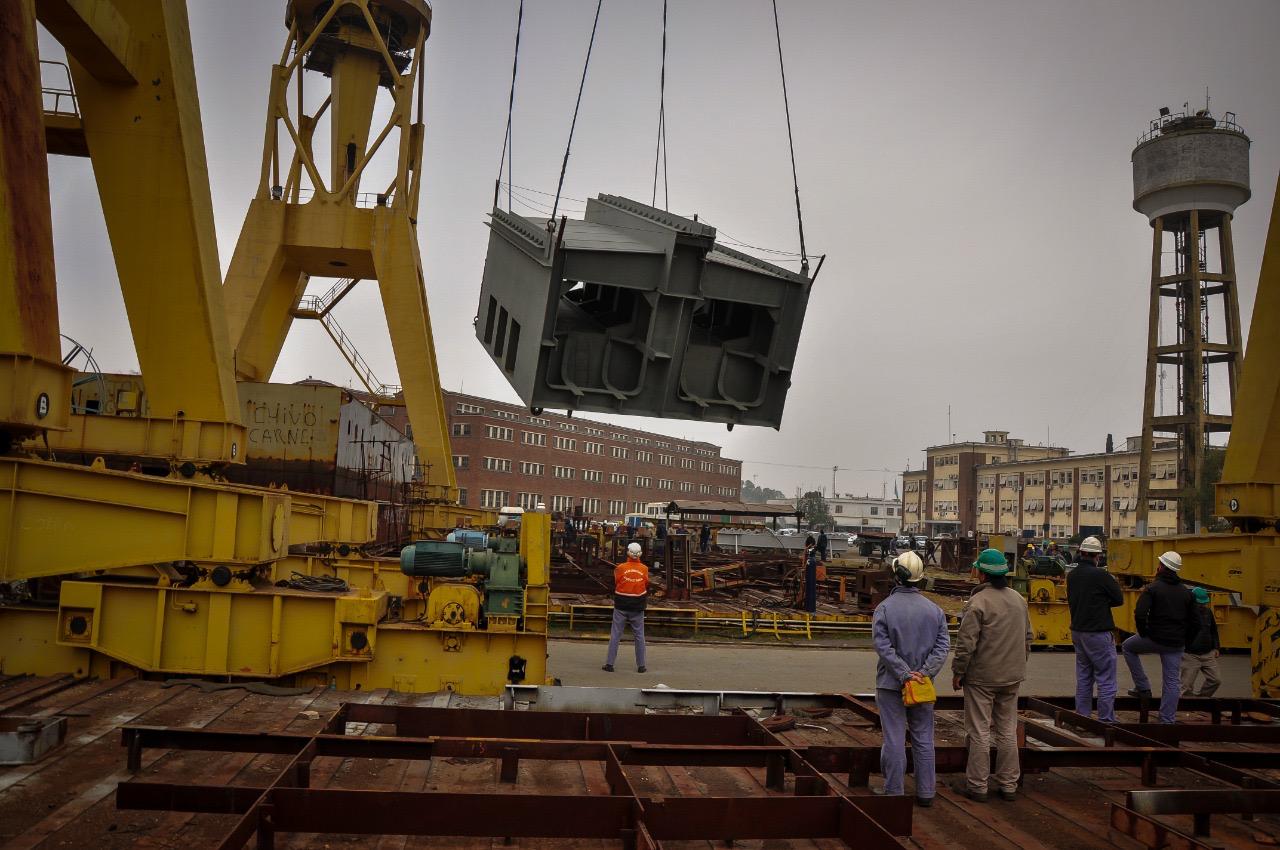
x: 640, y: 425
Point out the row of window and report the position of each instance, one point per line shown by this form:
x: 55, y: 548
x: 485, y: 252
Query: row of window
x: 1123, y: 503
x: 570, y: 444
x: 569, y: 473
x: 467, y: 409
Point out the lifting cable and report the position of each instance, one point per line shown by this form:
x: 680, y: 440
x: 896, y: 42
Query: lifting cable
x: 660, y: 148
x: 555, y: 208
x: 795, y: 180
x: 511, y: 103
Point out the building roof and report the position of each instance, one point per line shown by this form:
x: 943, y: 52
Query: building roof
x: 1127, y: 455
x: 700, y: 506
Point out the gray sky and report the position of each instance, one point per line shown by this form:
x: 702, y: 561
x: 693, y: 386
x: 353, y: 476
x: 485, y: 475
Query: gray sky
x: 965, y: 165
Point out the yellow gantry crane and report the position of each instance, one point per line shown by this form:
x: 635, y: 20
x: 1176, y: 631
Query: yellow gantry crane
x: 107, y: 570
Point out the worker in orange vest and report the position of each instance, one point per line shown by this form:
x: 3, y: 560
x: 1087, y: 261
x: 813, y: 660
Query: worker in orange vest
x: 630, y: 594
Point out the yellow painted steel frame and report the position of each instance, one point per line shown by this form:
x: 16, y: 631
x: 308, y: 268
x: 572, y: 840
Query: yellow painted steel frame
x: 287, y: 237
x: 265, y: 632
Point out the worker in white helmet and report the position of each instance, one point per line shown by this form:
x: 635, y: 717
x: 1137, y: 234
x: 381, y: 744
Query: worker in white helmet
x: 1091, y: 594
x: 630, y: 595
x: 910, y: 636
x: 1166, y: 619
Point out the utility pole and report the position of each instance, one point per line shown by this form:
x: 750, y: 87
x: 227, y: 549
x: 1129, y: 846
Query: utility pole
x: 833, y: 481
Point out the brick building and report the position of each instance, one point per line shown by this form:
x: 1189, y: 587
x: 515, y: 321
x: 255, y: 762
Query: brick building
x: 503, y: 455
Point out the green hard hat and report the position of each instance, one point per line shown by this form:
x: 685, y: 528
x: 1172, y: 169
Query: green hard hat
x: 1201, y: 595
x: 992, y: 562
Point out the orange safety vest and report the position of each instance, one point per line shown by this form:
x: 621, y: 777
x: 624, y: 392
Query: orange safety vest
x: 631, y: 578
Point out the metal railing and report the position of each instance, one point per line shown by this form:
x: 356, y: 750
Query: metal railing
x: 348, y: 349
x: 364, y: 200
x: 59, y: 100
x: 1157, y: 126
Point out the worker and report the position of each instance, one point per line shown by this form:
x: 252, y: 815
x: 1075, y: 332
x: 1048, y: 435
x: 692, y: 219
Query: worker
x: 1091, y: 594
x: 1166, y: 619
x: 812, y: 562
x: 630, y: 594
x: 990, y: 663
x: 824, y: 550
x: 1201, y: 655
x: 930, y: 549
x: 909, y: 632
x: 704, y: 539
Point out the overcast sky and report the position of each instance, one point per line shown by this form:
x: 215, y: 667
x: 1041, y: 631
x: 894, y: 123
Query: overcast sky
x: 964, y: 164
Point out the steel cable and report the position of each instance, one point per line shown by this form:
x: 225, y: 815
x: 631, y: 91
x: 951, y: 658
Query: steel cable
x: 564, y: 165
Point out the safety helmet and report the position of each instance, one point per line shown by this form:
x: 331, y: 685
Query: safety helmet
x: 1201, y: 595
x: 1091, y: 545
x: 908, y: 567
x: 634, y: 550
x: 1172, y: 561
x: 992, y: 562
x: 1030, y: 546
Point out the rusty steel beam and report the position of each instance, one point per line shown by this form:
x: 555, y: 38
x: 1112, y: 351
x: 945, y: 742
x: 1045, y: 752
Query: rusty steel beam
x: 1152, y: 833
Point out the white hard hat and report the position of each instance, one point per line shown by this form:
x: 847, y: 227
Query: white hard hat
x: 909, y: 567
x: 1091, y: 545
x: 634, y: 550
x: 1172, y: 561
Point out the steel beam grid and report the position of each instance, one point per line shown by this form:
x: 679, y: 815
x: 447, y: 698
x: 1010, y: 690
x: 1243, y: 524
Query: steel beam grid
x: 817, y: 808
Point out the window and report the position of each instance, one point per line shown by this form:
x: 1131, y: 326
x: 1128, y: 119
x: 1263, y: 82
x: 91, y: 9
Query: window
x: 875, y: 511
x: 593, y: 432
x: 561, y: 503
x: 542, y: 423
x: 533, y: 438
x: 665, y: 484
x: 562, y: 471
x: 461, y: 429
x: 686, y: 463
x: 593, y: 448
x: 617, y: 478
x: 461, y: 461
x: 529, y: 501
x: 617, y: 507
x: 704, y: 489
x: 644, y: 481
x: 593, y: 475
x: 505, y: 414
x: 666, y: 460
x: 686, y: 486
x: 468, y: 409
x: 530, y: 468
x: 497, y: 464
x: 462, y: 495
x: 493, y: 498
x: 637, y: 507
x: 591, y: 506
x: 568, y: 426
x: 498, y: 432
x: 567, y: 444
x: 620, y: 452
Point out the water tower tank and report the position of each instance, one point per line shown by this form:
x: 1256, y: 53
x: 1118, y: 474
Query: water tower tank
x: 1190, y: 162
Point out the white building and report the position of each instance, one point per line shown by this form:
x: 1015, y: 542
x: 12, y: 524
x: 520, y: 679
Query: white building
x: 860, y: 513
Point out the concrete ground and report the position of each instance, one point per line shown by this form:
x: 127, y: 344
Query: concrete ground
x: 684, y: 664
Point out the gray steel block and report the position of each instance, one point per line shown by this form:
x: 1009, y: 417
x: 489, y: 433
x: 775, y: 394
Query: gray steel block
x: 637, y: 311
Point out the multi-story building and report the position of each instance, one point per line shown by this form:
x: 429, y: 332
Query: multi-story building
x: 504, y: 455
x: 1004, y: 486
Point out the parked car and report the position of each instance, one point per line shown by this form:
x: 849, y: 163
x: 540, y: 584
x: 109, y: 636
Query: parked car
x: 921, y: 541
x: 788, y: 532
x: 852, y: 541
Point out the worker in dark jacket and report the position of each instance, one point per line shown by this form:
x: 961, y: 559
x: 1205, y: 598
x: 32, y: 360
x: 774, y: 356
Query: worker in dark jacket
x: 1091, y: 594
x: 1166, y: 620
x: 824, y: 550
x: 1201, y: 654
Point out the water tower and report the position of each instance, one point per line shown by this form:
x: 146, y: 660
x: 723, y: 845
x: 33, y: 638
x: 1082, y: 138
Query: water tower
x: 1190, y: 172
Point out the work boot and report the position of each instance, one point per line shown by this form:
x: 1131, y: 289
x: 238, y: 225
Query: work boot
x: 924, y: 802
x: 1008, y: 796
x: 962, y: 788
x: 1142, y: 693
x: 642, y: 669
x: 608, y: 668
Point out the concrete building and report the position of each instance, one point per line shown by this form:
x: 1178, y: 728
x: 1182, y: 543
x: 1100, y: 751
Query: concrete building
x: 1002, y: 485
x: 504, y: 455
x: 860, y: 513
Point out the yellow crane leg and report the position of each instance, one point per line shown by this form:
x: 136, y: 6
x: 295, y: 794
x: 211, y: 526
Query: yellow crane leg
x: 61, y: 519
x: 146, y: 145
x: 35, y: 388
